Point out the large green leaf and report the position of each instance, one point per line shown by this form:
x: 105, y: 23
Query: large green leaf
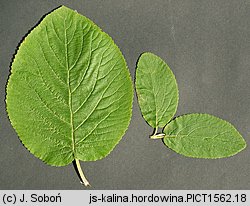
x: 156, y: 89
x: 69, y: 95
x: 203, y: 136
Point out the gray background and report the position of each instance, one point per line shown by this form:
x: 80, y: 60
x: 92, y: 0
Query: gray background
x: 207, y: 45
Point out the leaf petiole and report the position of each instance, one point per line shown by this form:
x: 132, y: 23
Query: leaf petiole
x: 157, y: 136
x: 83, y: 178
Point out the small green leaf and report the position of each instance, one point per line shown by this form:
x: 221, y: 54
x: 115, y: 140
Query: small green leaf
x: 69, y: 95
x: 203, y: 136
x: 156, y: 89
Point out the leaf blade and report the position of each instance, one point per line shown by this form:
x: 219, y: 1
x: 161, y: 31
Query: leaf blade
x: 203, y: 136
x: 156, y: 89
x: 69, y: 95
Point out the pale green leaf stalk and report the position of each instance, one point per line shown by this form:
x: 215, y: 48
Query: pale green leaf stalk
x: 69, y: 95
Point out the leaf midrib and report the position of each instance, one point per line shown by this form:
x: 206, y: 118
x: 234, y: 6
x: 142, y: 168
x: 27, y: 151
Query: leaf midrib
x: 156, y: 113
x: 69, y: 89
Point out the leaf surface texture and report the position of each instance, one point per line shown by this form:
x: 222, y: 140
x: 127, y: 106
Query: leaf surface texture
x: 203, y: 136
x: 69, y: 94
x: 156, y: 89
